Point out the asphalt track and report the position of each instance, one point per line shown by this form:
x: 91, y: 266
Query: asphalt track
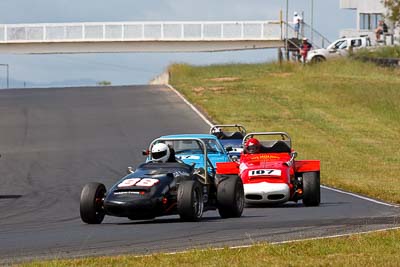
x: 53, y: 141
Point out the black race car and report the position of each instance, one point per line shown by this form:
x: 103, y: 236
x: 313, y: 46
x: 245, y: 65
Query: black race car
x: 157, y: 189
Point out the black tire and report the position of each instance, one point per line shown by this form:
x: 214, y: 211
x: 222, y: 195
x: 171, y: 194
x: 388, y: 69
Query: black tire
x: 311, y: 189
x: 230, y: 197
x: 91, y: 204
x: 190, y: 201
x: 318, y: 59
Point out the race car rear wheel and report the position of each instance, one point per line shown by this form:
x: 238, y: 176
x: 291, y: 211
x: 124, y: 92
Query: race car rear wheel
x: 91, y: 204
x: 311, y: 189
x: 190, y: 201
x: 230, y: 197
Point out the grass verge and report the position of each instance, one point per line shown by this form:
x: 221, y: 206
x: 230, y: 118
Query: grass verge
x: 376, y: 249
x: 345, y: 113
x: 381, y: 52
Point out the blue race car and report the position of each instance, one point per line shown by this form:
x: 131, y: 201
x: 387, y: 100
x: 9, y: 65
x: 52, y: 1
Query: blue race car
x: 231, y: 137
x: 189, y: 152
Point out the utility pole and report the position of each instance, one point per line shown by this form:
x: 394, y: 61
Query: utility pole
x: 287, y: 30
x: 312, y: 21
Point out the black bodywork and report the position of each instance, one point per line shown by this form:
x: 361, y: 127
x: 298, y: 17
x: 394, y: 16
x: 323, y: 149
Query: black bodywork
x: 141, y: 202
x: 157, y: 189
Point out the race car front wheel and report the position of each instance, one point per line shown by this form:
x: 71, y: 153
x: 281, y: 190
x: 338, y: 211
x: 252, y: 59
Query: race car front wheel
x: 91, y: 204
x: 190, y: 201
x: 311, y: 189
x: 230, y: 197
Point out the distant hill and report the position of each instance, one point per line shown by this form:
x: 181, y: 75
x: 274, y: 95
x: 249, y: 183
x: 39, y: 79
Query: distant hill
x: 64, y: 83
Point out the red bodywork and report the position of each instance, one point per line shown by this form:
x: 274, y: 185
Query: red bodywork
x: 272, y: 168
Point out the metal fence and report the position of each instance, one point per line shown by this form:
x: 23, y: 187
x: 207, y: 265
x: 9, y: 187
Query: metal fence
x: 316, y: 38
x: 141, y: 31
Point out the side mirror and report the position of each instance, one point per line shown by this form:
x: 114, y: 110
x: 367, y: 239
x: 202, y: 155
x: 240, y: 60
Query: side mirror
x: 332, y: 50
x: 293, y: 154
x: 129, y: 170
x: 145, y: 152
x: 228, y: 148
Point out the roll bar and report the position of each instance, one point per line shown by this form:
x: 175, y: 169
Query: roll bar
x: 284, y: 135
x: 238, y: 126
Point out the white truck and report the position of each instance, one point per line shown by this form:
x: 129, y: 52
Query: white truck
x: 339, y: 47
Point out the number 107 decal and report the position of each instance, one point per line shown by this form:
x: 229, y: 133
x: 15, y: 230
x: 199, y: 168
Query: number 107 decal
x: 253, y: 173
x: 146, y: 182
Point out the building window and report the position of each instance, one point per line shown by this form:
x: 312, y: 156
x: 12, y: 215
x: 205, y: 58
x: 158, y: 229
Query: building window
x: 369, y: 21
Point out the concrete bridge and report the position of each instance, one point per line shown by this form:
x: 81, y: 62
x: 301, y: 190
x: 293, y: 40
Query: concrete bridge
x: 55, y: 38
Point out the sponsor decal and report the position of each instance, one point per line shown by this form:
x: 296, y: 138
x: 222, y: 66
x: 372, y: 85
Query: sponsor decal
x: 146, y: 182
x: 263, y: 156
x: 127, y: 193
x: 189, y: 157
x: 180, y: 173
x: 265, y: 172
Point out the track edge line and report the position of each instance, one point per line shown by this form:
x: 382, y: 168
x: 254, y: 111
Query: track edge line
x: 360, y: 196
x: 190, y: 105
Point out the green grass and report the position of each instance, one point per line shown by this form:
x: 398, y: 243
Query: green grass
x: 377, y: 249
x: 345, y: 113
x: 381, y: 52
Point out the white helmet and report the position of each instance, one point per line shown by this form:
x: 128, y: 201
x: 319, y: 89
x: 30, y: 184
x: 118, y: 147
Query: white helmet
x: 160, y: 152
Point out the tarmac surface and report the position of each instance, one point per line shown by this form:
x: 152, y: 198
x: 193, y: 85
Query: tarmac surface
x: 54, y: 141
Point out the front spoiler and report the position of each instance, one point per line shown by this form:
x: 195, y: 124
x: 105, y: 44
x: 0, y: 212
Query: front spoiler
x: 265, y: 192
x: 133, y: 208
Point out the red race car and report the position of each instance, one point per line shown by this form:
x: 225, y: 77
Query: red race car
x: 270, y: 173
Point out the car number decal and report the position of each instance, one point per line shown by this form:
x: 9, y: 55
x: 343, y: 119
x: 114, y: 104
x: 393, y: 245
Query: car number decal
x: 146, y: 182
x: 265, y: 172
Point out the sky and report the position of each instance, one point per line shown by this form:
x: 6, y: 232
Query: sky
x: 139, y: 68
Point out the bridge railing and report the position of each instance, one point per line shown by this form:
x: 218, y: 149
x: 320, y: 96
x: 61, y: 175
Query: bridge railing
x: 141, y: 31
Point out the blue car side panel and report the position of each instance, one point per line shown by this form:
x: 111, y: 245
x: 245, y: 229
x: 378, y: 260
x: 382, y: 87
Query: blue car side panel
x: 196, y: 158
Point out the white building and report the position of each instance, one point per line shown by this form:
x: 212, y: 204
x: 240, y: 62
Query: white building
x: 369, y: 12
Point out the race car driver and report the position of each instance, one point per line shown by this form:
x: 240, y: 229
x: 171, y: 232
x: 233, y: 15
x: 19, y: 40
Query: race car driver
x: 162, y: 153
x: 252, y: 146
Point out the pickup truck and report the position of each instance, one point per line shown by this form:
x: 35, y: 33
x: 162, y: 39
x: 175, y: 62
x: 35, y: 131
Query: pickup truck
x: 339, y: 47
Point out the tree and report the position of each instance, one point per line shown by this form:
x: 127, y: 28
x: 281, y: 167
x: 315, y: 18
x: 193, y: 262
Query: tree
x: 393, y: 7
x: 104, y: 83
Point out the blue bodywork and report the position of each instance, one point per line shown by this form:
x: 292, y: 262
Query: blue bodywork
x: 215, y: 150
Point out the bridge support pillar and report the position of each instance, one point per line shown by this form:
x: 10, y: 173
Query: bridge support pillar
x: 280, y: 56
